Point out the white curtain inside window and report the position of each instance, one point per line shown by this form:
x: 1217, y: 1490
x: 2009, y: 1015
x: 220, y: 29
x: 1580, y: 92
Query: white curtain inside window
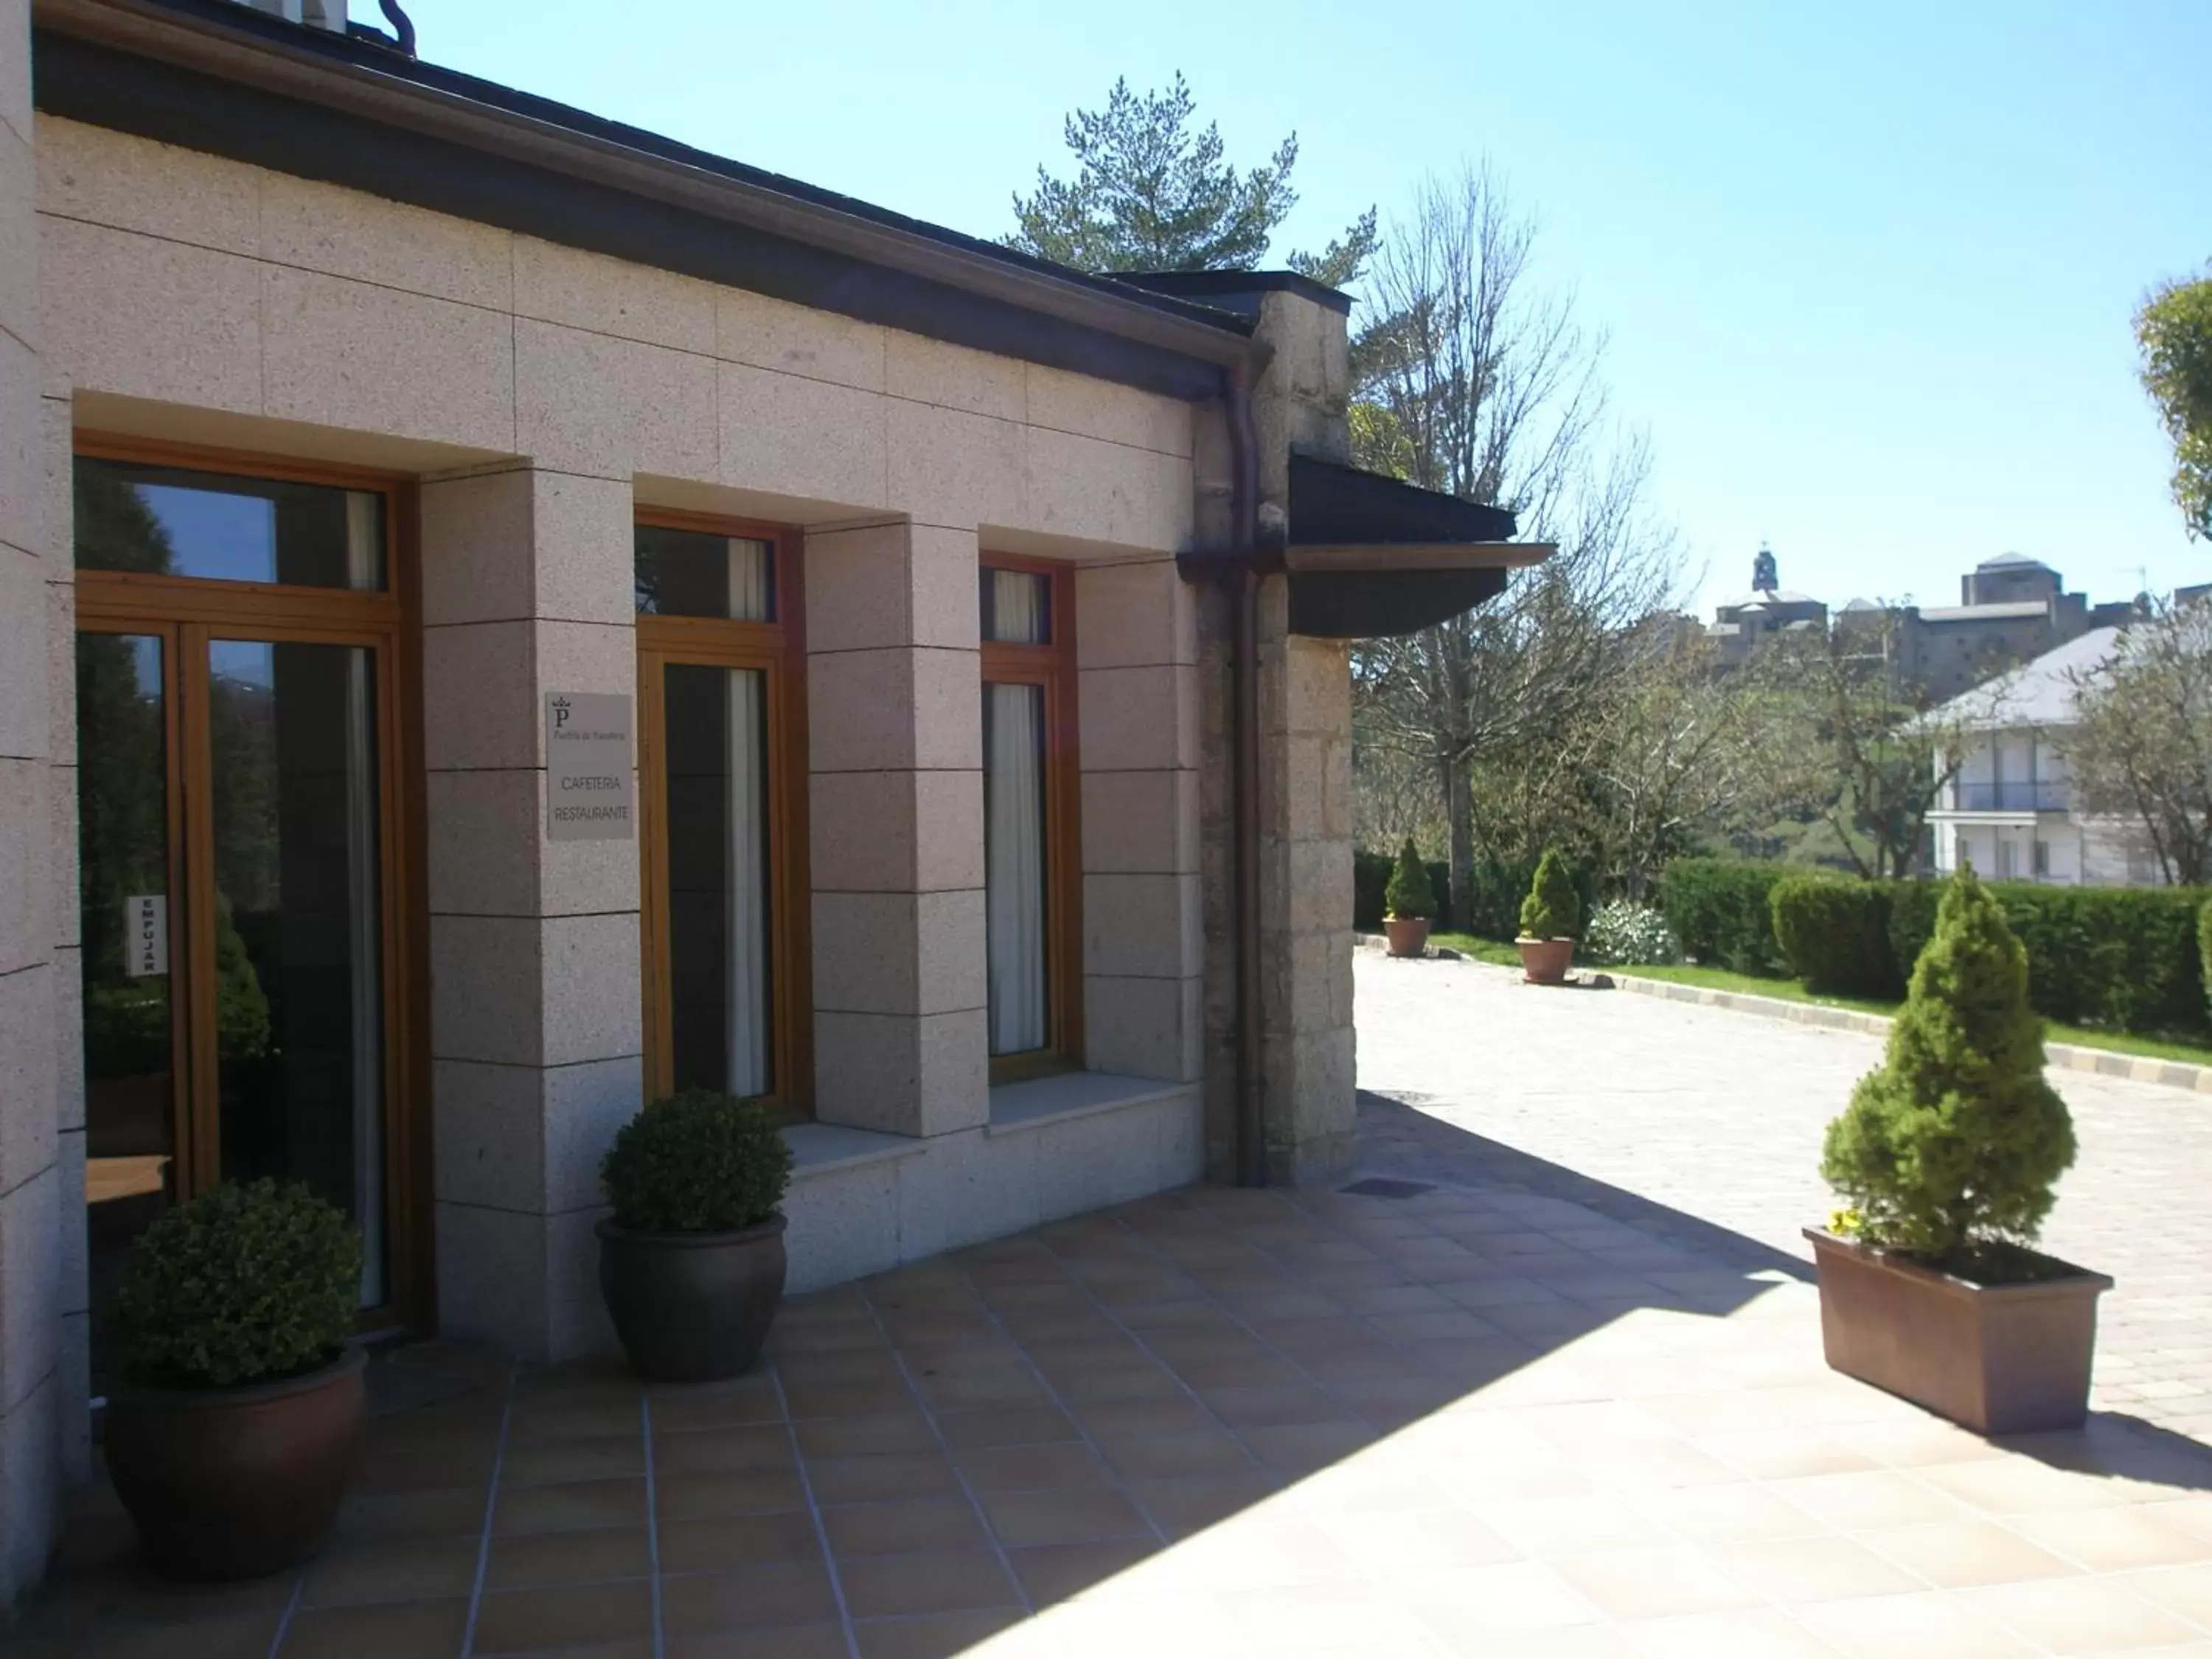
x: 745, y: 886
x: 1014, y: 874
x: 1017, y: 607
x: 749, y: 578
x: 364, y: 570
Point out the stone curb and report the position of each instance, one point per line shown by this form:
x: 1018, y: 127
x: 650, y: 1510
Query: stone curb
x: 2138, y: 1068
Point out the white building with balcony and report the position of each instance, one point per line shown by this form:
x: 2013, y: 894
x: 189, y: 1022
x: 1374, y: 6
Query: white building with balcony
x: 2009, y: 808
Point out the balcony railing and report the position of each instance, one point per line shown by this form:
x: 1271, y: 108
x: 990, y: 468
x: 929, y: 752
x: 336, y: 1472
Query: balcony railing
x: 2010, y: 797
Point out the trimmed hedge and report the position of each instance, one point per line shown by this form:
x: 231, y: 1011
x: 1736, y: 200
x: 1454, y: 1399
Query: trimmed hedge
x: 1835, y: 932
x: 1721, y: 910
x: 2205, y: 949
x: 2115, y: 958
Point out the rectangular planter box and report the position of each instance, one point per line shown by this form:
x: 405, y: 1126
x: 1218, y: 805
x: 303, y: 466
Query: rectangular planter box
x: 1998, y: 1359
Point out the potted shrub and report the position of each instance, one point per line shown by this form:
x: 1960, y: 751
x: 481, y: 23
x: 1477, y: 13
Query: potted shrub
x: 1550, y: 917
x: 1409, y: 903
x: 1946, y: 1157
x: 238, y: 1422
x: 691, y: 1262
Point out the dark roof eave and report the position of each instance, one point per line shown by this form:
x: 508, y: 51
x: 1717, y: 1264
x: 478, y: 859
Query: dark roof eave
x: 359, y: 81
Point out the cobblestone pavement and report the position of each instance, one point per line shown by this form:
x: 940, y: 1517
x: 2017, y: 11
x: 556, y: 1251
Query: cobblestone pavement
x: 1717, y: 1115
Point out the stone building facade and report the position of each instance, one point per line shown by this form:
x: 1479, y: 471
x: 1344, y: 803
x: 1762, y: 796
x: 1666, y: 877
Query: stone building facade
x: 503, y: 617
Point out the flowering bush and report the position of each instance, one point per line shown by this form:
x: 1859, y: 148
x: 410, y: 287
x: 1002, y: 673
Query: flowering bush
x: 1622, y: 934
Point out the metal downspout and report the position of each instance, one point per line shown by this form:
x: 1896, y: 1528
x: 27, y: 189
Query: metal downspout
x: 1244, y: 741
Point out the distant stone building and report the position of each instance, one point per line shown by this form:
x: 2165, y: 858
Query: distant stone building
x: 2011, y: 609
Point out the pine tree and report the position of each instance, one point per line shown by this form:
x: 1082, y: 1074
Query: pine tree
x: 1950, y: 1151
x: 1410, y: 894
x: 1552, y: 909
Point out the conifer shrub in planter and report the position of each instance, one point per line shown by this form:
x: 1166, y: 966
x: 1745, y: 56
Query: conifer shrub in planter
x: 238, y: 1424
x: 1946, y: 1157
x: 1409, y: 903
x: 692, y: 1262
x: 1550, y: 916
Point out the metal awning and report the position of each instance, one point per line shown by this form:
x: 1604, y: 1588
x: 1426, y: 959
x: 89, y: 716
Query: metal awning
x: 1369, y: 556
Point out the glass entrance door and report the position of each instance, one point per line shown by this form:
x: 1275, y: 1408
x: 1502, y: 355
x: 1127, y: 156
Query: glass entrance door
x: 239, y: 876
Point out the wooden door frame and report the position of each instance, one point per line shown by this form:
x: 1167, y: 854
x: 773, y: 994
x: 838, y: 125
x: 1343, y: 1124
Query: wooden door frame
x: 188, y: 611
x: 778, y: 650
x: 1052, y: 665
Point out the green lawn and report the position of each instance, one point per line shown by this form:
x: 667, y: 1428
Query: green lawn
x: 1720, y: 979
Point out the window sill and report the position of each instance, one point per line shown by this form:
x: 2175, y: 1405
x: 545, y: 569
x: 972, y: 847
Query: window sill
x: 819, y: 1149
x: 1065, y: 1094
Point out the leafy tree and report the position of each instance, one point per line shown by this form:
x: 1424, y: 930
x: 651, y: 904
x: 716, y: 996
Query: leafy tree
x: 1552, y: 909
x: 1409, y: 895
x: 2141, y: 745
x: 2173, y: 329
x: 1950, y: 1151
x: 1153, y: 192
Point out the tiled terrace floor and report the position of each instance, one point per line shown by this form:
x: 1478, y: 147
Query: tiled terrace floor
x: 1495, y: 1422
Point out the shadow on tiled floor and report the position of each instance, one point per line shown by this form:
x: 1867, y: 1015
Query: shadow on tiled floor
x: 1513, y: 1414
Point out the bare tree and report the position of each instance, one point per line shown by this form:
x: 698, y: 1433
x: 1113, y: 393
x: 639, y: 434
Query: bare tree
x: 2142, y: 746
x: 1471, y: 381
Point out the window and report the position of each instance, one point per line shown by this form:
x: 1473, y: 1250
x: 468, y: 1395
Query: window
x: 215, y: 527
x: 2008, y: 859
x: 2042, y: 858
x: 722, y: 821
x: 1032, y: 869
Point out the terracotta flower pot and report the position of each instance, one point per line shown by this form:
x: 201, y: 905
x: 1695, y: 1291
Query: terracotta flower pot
x: 235, y: 1483
x: 692, y: 1307
x: 1996, y: 1358
x: 1543, y: 961
x: 1408, y: 935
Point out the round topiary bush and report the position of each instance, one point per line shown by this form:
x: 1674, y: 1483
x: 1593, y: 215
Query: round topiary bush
x: 244, y: 1284
x: 1949, y: 1152
x: 697, y: 1163
x: 1410, y: 895
x: 1624, y: 935
x: 1552, y: 909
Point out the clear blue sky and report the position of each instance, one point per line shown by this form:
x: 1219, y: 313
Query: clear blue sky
x: 1868, y: 269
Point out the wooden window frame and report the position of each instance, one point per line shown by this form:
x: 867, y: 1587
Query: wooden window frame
x: 187, y: 611
x: 778, y: 649
x: 1052, y: 665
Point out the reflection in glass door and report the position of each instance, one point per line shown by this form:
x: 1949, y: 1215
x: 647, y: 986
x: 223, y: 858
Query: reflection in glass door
x: 291, y: 796
x: 124, y: 890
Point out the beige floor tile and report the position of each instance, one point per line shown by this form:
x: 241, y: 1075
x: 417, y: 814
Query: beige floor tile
x: 1312, y: 1617
x: 1739, y: 1511
x: 399, y: 1570
x: 1031, y: 1468
x: 711, y: 1544
x: 1168, y: 1456
x: 925, y: 1582
x: 1658, y: 1583
x: 228, y: 1636
x: 524, y: 1560
x: 2190, y: 1515
x: 1061, y: 1573
x: 753, y: 1492
x: 430, y: 1513
x: 1571, y: 1642
x: 1915, y: 1445
x: 1074, y: 1515
x: 574, y: 1505
x: 850, y: 1436
x: 604, y: 1458
x: 824, y: 1641
x: 1881, y: 1498
x: 2080, y: 1615
x: 1019, y: 1425
x: 1929, y: 1626
x: 1781, y: 1453
x: 1795, y: 1571
x: 878, y: 1478
x: 396, y: 1630
x: 1965, y: 1554
x: 523, y: 1621
x: 987, y: 1634
x: 1181, y: 1507
x: 1278, y: 1406
x: 773, y: 1594
x: 1725, y: 1636
x: 714, y: 1405
x: 2115, y: 1539
x: 1564, y: 1526
x: 2186, y: 1590
x: 1253, y: 1555
x: 1118, y: 1624
x: 892, y: 1529
x: 2020, y: 1485
x: 1464, y: 1603
x: 1394, y: 1541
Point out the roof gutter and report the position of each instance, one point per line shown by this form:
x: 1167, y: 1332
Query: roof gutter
x: 295, y: 70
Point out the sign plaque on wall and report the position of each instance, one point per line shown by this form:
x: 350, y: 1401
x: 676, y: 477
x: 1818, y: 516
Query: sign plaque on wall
x: 590, y: 790
x: 146, y: 935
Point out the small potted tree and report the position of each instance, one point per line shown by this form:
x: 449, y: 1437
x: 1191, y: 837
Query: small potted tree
x: 237, y: 1423
x: 1946, y: 1157
x: 1550, y: 917
x: 1409, y: 903
x: 691, y: 1262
